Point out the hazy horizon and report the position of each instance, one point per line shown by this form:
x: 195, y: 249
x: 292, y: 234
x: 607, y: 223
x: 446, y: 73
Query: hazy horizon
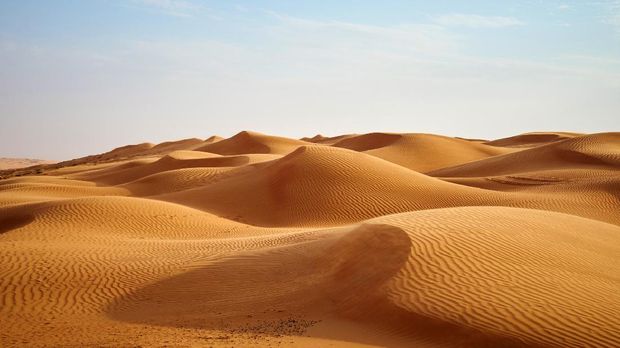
x: 273, y: 134
x: 84, y: 78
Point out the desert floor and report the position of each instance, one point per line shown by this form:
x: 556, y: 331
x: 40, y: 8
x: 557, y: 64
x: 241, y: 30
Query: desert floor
x: 381, y: 239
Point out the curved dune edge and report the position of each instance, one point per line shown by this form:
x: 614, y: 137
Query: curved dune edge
x: 258, y: 240
x: 252, y: 142
x: 596, y: 151
x: 421, y: 152
x: 532, y: 139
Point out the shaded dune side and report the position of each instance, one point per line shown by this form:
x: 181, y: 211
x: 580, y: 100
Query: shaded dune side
x: 13, y: 218
x: 420, y: 152
x: 600, y: 151
x: 320, y: 186
x: 252, y: 142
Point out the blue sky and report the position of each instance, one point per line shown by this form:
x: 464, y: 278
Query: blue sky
x: 81, y: 77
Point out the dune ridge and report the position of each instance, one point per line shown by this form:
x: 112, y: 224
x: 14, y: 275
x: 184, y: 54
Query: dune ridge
x: 420, y: 152
x: 378, y: 239
x: 578, y: 152
x: 252, y: 142
x: 532, y: 139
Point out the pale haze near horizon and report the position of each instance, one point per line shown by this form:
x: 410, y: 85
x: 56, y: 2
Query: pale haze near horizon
x: 80, y: 78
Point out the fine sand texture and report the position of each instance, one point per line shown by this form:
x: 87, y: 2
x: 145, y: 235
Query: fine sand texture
x: 379, y: 239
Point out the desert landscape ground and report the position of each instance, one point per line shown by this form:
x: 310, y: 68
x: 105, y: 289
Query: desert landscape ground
x: 379, y: 239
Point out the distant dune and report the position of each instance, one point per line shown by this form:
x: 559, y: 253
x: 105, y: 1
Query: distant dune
x: 15, y: 163
x: 378, y: 239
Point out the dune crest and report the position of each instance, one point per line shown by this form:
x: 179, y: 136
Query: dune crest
x: 252, y: 142
x: 420, y: 152
x: 532, y: 139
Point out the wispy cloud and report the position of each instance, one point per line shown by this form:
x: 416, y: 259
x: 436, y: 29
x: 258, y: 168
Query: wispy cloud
x: 476, y: 21
x: 180, y: 8
x: 429, y: 38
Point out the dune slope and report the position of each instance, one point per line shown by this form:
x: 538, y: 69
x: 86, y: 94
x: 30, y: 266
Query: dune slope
x: 252, y: 142
x: 597, y: 151
x: 420, y: 152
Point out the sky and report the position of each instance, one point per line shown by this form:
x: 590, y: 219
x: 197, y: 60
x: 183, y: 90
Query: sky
x: 79, y: 77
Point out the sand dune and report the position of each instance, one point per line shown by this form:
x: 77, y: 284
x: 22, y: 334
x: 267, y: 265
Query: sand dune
x: 175, y: 160
x: 14, y: 163
x: 532, y: 139
x: 597, y: 151
x: 252, y: 142
x: 322, y: 186
x: 320, y: 139
x: 420, y: 152
x: 325, y: 186
x: 379, y: 239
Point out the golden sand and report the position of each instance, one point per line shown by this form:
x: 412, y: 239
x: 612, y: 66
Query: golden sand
x: 380, y: 239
